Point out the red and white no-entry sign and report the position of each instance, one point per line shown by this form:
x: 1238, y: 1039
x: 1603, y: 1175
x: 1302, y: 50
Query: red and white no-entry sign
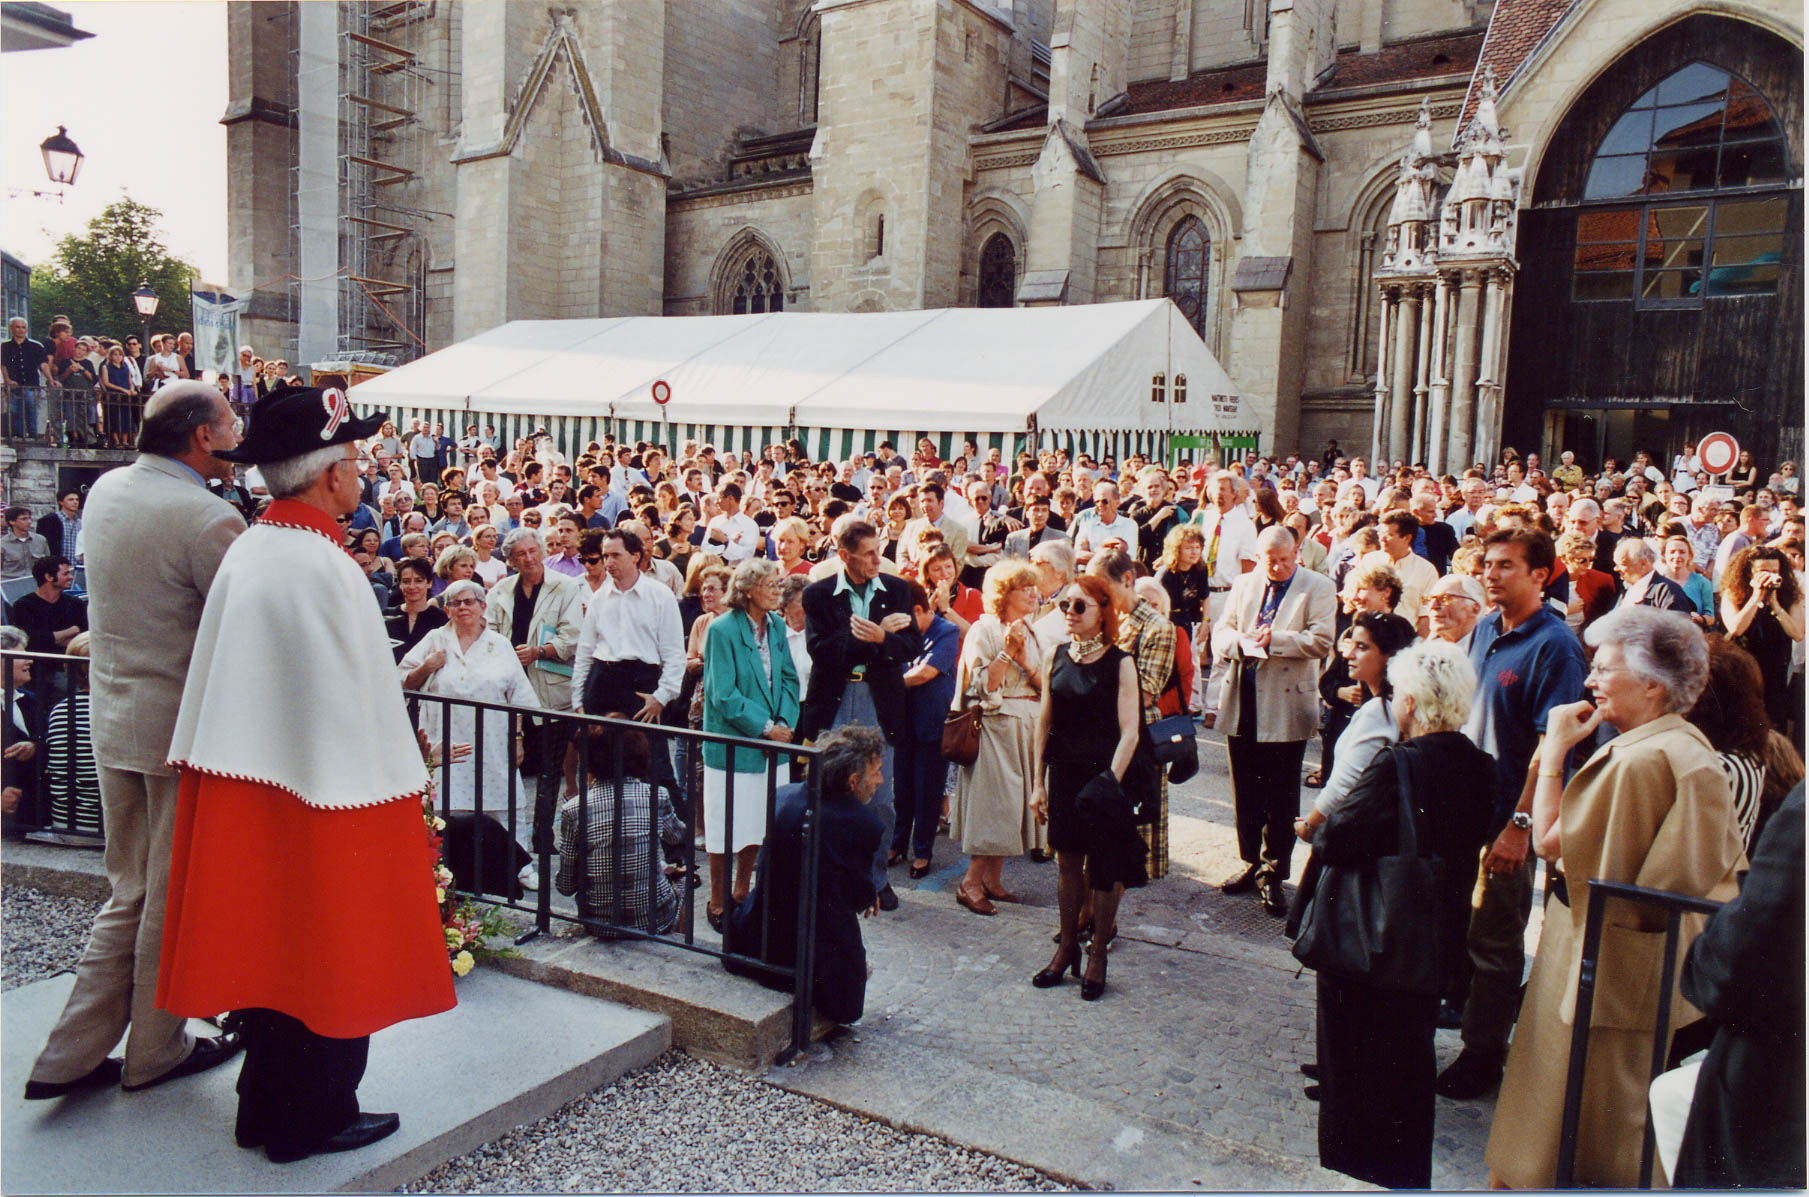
x: 1717, y: 452
x: 662, y: 392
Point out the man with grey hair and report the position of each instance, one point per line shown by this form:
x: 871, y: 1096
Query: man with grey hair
x: 1054, y: 563
x: 1475, y: 493
x: 538, y: 611
x: 1637, y: 566
x: 1038, y: 529
x: 1453, y: 607
x: 25, y: 367
x: 851, y: 763
x: 1585, y: 518
x: 300, y: 804
x: 1230, y: 551
x: 154, y: 542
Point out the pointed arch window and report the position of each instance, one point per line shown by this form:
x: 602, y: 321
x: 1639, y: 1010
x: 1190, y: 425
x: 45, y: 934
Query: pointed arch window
x: 1685, y: 196
x: 757, y: 285
x: 998, y: 272
x: 1185, y: 268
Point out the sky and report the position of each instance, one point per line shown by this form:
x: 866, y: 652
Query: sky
x: 142, y: 98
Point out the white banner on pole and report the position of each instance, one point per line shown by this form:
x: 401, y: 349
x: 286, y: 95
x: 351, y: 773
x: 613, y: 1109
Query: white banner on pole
x: 216, y: 319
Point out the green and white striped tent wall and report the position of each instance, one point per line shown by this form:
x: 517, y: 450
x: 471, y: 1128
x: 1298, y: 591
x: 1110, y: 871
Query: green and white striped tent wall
x: 1074, y: 377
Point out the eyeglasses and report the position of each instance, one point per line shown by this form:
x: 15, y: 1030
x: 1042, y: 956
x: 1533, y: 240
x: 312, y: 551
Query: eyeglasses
x: 466, y: 602
x: 1073, y: 606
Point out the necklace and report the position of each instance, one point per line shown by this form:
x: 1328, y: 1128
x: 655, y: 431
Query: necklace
x: 1085, y: 648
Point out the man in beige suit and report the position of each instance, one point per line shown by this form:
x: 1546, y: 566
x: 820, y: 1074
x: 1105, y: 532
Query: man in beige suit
x: 154, y: 538
x: 1276, y: 628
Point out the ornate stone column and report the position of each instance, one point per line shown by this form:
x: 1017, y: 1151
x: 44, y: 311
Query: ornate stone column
x: 1441, y: 385
x: 1400, y: 405
x: 1459, y: 447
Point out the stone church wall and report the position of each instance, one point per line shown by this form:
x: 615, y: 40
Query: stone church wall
x: 701, y: 231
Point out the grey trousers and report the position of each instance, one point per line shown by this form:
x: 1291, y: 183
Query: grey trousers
x: 116, y: 981
x: 857, y: 707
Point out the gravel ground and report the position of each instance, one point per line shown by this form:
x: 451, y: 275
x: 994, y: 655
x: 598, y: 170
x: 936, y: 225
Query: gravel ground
x: 681, y: 1125
x: 677, y: 1125
x: 40, y: 934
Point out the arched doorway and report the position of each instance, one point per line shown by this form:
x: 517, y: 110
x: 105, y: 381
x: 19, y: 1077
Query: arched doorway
x: 1659, y: 292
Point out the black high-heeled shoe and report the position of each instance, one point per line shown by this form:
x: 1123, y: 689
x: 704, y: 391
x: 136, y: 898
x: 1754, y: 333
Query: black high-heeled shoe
x: 1091, y: 990
x: 1050, y: 977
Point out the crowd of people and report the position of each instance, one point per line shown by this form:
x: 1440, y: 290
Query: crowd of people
x: 88, y: 390
x: 1618, y: 653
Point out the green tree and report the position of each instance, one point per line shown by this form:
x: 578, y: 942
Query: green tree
x: 91, y: 278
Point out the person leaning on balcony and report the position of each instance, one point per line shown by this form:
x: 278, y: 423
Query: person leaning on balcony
x: 1651, y: 808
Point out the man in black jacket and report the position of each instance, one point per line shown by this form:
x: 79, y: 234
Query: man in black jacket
x: 849, y: 831
x: 860, y: 633
x: 1745, y: 973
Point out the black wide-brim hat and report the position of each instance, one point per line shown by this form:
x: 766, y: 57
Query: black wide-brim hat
x: 293, y: 421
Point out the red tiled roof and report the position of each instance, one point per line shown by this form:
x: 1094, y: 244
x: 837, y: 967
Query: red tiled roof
x: 1515, y: 29
x: 1405, y: 62
x: 1222, y: 85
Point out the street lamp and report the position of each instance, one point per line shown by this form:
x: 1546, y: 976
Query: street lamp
x: 145, y: 300
x: 62, y: 157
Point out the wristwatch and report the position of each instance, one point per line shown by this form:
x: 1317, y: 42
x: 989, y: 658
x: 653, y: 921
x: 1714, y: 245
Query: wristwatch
x: 1521, y: 821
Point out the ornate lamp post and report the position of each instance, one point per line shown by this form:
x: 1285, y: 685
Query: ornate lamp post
x: 145, y: 300
x: 62, y: 157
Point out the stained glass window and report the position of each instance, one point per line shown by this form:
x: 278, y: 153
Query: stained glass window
x: 757, y: 286
x: 1185, y: 270
x: 998, y: 272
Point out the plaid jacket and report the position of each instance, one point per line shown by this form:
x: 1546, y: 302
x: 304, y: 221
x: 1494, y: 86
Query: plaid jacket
x: 1150, y: 639
x: 647, y: 900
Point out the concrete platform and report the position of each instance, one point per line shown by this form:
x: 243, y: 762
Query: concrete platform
x: 715, y: 1016
x: 509, y: 1053
x: 70, y: 872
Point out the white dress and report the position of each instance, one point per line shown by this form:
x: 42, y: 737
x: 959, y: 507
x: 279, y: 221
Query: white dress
x: 489, y: 671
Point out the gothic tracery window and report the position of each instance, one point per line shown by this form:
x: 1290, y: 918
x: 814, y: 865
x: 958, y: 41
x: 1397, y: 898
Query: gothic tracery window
x: 757, y: 285
x: 998, y: 272
x: 1684, y: 199
x: 1189, y: 254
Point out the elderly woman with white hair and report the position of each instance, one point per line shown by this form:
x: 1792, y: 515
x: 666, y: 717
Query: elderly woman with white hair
x: 1652, y: 807
x: 1376, y: 1062
x: 464, y: 659
x: 750, y: 689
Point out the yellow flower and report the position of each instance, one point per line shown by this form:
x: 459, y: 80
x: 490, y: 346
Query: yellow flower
x: 463, y: 963
x: 439, y: 824
x: 439, y: 894
x: 453, y: 938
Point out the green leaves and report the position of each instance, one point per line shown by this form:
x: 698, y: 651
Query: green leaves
x: 91, y: 278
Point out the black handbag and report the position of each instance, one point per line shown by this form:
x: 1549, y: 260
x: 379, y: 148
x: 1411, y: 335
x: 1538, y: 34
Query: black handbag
x: 1173, y: 739
x: 1375, y: 922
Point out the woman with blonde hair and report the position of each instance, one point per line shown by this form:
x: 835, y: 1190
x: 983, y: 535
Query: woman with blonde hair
x: 1001, y: 670
x: 455, y: 563
x: 490, y: 568
x: 791, y: 536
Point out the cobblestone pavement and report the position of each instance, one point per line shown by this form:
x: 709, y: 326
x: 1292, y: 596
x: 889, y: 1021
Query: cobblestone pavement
x: 1202, y: 1030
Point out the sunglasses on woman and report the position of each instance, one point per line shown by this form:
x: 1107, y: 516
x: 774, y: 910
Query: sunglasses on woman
x: 1076, y: 606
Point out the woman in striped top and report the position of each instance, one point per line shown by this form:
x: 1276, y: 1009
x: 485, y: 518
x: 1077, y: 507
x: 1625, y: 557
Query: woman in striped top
x: 1761, y: 765
x: 71, y: 774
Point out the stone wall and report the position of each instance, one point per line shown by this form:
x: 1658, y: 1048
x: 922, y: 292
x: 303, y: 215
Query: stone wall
x: 701, y: 231
x: 34, y: 474
x: 724, y: 76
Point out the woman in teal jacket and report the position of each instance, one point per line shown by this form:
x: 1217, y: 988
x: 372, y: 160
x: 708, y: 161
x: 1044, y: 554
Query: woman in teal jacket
x: 750, y: 689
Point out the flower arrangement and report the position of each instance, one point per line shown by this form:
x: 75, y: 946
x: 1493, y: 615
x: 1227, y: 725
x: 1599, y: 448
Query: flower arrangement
x: 467, y: 925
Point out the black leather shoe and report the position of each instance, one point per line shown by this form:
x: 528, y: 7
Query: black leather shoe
x: 1311, y: 1072
x: 365, y: 1130
x: 1038, y: 856
x: 105, y: 1074
x: 1470, y: 1076
x: 1243, y: 883
x: 208, y: 1053
x: 888, y: 900
x: 919, y: 872
x: 1311, y: 1092
x: 1275, y: 899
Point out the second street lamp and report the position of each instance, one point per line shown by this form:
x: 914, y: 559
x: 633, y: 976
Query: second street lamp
x: 62, y: 157
x: 145, y: 300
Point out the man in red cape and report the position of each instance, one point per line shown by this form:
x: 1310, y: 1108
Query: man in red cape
x: 301, y: 890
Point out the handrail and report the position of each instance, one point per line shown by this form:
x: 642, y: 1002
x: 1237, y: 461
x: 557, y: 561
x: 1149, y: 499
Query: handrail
x: 1675, y: 907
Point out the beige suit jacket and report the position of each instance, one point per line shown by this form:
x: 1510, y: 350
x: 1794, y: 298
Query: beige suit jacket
x: 154, y: 537
x: 1287, y: 681
x: 558, y: 607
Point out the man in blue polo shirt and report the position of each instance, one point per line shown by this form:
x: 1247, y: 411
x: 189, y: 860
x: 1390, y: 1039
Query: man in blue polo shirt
x: 1527, y: 662
x: 918, y: 763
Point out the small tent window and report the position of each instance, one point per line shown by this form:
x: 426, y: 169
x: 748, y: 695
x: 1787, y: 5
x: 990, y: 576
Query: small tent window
x: 757, y: 287
x: 1185, y: 269
x: 1158, y: 388
x: 1180, y: 388
x: 998, y: 272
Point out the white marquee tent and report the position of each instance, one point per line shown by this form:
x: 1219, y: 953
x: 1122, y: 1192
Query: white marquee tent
x: 1108, y: 378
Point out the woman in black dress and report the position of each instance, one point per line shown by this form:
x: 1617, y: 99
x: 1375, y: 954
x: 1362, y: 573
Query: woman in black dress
x: 1376, y: 1059
x: 414, y: 616
x: 1762, y: 609
x: 1085, y: 744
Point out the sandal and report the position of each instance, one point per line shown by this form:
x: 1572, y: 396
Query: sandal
x: 1003, y: 895
x: 1315, y: 780
x: 979, y: 906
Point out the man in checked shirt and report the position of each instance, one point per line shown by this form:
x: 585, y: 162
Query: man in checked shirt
x: 1149, y: 637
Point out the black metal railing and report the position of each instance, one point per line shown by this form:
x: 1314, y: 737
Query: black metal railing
x: 1674, y: 906
x: 50, y: 809
x: 76, y: 417
x: 49, y: 770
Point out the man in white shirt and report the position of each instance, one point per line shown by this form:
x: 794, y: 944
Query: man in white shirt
x: 1230, y: 551
x: 1102, y: 526
x: 1453, y: 608
x: 1476, y: 493
x: 1361, y: 481
x: 631, y: 645
x: 731, y: 533
x: 487, y: 472
x: 1418, y: 575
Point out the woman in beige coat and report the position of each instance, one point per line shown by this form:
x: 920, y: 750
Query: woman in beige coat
x: 1651, y: 808
x: 1001, y: 668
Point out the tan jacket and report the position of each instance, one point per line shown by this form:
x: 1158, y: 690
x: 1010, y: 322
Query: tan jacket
x: 153, y: 537
x: 1287, y: 689
x: 953, y: 535
x: 558, y: 606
